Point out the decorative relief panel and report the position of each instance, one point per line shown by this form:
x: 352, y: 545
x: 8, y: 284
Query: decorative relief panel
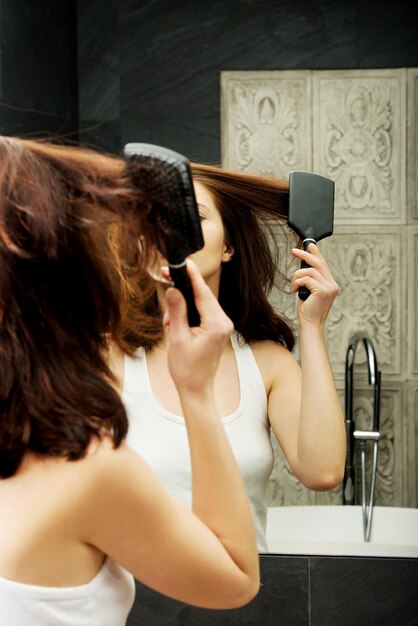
x: 412, y: 299
x: 266, y: 124
x: 412, y: 438
x: 359, y: 142
x: 367, y: 264
x: 412, y: 181
x: 365, y: 137
x: 392, y: 466
x: 284, y: 487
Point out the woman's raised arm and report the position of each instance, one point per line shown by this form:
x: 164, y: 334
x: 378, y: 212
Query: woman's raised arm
x: 207, y: 556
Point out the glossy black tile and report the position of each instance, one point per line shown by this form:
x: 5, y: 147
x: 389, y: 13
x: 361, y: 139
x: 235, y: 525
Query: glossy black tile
x: 198, y: 139
x: 45, y: 88
x: 98, y: 61
x: 388, y: 34
x: 171, y: 54
x: 166, y: 57
x: 354, y: 591
x: 97, y: 32
x: 282, y: 601
x: 38, y: 67
x: 40, y: 29
x: 24, y: 122
x: 101, y: 135
x: 99, y: 92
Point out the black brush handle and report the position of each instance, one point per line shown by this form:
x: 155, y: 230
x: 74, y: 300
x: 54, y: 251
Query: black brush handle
x: 304, y: 292
x: 181, y: 280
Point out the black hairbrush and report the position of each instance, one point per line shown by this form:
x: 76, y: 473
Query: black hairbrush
x: 311, y: 210
x: 165, y: 177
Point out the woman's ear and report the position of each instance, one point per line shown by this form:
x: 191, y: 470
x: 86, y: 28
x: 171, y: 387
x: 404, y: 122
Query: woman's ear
x: 227, y: 254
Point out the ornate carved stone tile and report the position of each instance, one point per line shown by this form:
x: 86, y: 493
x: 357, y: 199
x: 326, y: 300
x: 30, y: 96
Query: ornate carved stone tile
x: 393, y: 481
x: 412, y: 155
x: 368, y: 263
x: 284, y: 487
x: 365, y: 137
x: 412, y: 438
x: 266, y: 121
x: 392, y: 466
x: 412, y: 298
x: 359, y: 141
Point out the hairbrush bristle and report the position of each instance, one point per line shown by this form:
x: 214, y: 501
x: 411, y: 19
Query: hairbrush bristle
x: 167, y: 190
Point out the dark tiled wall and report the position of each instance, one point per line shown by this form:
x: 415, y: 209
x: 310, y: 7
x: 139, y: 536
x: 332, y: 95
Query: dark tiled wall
x: 38, y: 68
x: 149, y: 71
x: 304, y: 591
x: 100, y: 73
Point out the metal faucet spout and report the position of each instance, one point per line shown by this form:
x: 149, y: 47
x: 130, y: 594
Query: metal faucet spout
x: 374, y: 376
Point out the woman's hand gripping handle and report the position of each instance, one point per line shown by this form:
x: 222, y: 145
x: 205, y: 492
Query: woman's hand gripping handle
x: 194, y: 352
x: 316, y: 278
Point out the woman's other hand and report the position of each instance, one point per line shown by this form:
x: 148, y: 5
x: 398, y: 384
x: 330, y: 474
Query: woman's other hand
x: 194, y: 353
x: 320, y: 282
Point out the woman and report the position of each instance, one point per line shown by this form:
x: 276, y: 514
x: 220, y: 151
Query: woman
x: 258, y: 385
x: 81, y: 513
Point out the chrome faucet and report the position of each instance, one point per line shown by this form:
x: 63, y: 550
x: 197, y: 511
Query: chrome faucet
x: 361, y: 436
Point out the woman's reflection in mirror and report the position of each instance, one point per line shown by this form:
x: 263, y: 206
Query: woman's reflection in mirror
x: 259, y: 384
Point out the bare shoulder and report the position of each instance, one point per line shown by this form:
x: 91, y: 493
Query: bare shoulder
x: 69, y: 511
x: 103, y: 460
x: 268, y: 351
x: 99, y: 472
x: 275, y: 361
x: 109, y: 476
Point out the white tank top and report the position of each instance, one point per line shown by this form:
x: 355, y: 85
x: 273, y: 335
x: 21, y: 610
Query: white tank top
x: 105, y: 600
x: 160, y: 437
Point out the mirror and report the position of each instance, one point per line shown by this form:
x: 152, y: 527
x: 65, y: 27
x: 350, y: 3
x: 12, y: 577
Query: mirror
x: 150, y: 71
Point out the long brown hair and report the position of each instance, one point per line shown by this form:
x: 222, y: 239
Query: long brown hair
x: 254, y: 211
x: 60, y: 297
